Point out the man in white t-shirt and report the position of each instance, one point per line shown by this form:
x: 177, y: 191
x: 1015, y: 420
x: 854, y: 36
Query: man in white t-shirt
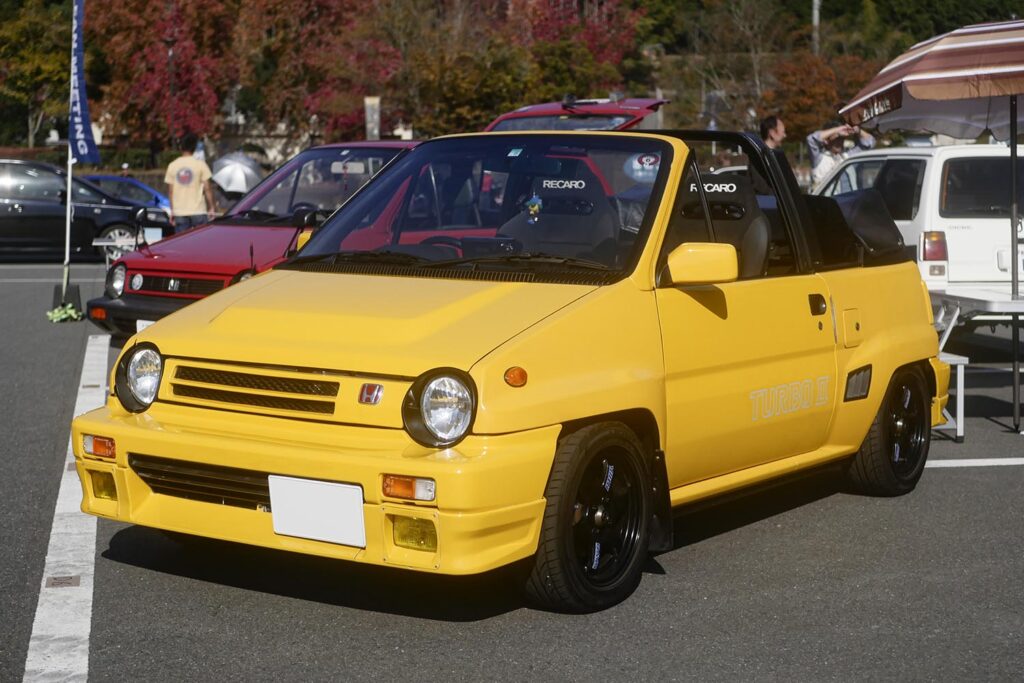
x: 827, y: 148
x: 188, y: 188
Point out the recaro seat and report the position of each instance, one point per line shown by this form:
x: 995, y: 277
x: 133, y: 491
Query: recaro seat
x: 737, y: 220
x: 576, y: 218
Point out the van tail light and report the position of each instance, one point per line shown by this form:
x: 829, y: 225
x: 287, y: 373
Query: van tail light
x: 934, y: 248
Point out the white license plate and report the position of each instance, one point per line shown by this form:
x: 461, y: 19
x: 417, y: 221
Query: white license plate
x: 319, y: 510
x: 140, y: 325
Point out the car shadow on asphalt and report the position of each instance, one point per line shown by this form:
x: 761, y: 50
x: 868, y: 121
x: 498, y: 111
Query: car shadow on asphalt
x: 322, y: 580
x: 699, y: 522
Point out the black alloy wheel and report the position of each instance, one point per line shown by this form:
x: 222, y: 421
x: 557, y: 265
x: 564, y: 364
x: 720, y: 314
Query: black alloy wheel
x: 907, y: 427
x: 892, y: 458
x: 594, y: 536
x: 605, y: 519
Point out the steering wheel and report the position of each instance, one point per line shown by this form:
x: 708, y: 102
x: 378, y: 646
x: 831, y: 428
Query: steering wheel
x: 446, y: 240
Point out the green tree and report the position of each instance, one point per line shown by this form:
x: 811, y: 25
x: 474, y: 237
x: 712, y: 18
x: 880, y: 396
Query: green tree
x: 35, y: 47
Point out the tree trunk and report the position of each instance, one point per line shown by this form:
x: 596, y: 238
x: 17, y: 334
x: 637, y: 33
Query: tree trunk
x: 31, y: 132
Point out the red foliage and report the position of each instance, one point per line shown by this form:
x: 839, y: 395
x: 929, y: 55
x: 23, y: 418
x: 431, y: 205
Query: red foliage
x: 607, y: 27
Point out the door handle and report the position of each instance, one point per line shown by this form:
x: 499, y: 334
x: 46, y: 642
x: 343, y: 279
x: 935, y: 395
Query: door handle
x: 818, y: 305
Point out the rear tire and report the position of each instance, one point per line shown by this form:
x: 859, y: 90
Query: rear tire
x: 893, y: 455
x: 594, y: 536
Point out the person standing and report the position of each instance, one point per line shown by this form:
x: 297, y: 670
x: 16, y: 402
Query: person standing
x: 773, y: 132
x: 188, y: 188
x: 827, y: 148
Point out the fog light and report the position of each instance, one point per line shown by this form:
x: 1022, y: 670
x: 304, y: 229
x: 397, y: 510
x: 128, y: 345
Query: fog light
x: 103, y: 485
x: 100, y: 446
x: 409, y: 488
x: 415, y: 534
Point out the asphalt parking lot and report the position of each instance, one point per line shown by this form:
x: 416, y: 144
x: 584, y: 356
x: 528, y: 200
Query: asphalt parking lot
x: 800, y: 581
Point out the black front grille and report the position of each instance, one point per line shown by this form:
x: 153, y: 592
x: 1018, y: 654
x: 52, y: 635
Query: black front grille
x: 238, y: 397
x: 207, y: 483
x: 246, y: 380
x: 175, y: 285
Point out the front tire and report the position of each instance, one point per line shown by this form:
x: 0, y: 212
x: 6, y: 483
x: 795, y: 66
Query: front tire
x: 594, y: 536
x: 893, y: 455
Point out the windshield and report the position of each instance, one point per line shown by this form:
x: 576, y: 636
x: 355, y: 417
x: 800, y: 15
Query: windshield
x: 317, y: 179
x: 505, y: 201
x: 563, y: 122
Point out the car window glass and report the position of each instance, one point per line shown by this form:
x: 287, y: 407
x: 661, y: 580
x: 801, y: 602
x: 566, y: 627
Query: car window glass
x: 744, y: 209
x: 688, y: 221
x: 34, y: 184
x: 899, y: 181
x: 979, y: 187
x: 317, y: 179
x: 85, y: 194
x: 562, y: 122
x: 132, y: 192
x: 856, y: 175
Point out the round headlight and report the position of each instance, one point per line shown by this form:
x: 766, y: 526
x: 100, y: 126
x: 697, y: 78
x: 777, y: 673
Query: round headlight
x: 117, y: 276
x: 138, y: 377
x: 447, y: 408
x: 439, y: 408
x: 137, y: 281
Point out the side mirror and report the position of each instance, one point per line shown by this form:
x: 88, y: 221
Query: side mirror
x: 140, y: 216
x: 305, y: 218
x: 701, y: 263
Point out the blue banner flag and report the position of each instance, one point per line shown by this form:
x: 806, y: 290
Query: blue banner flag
x: 83, y: 147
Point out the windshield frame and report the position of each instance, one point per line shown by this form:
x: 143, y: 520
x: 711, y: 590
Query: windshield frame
x: 602, y: 141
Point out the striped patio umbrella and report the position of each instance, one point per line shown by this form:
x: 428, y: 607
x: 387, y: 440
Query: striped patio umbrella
x: 962, y: 84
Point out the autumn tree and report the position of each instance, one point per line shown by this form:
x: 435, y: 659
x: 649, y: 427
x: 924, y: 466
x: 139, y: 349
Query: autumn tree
x: 35, y: 55
x: 804, y: 94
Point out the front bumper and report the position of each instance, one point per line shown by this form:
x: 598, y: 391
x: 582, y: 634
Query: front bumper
x: 120, y: 316
x: 487, y: 512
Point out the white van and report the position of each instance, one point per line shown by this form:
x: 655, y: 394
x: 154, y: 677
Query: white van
x: 951, y: 203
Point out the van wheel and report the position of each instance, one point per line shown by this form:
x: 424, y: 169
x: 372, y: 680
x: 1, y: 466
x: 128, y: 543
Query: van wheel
x: 892, y: 457
x: 594, y: 536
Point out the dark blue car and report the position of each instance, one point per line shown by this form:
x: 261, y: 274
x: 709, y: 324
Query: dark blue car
x: 131, y: 190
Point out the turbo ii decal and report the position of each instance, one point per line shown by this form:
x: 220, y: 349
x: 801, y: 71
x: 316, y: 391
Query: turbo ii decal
x: 788, y: 398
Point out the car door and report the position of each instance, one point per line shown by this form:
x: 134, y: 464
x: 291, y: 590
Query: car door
x: 34, y: 221
x: 749, y: 365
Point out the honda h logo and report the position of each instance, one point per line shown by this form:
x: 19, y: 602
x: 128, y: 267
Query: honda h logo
x: 371, y: 394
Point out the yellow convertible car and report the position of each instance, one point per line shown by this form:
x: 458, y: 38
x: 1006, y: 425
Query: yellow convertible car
x: 528, y: 348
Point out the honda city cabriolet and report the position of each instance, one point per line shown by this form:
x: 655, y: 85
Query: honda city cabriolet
x: 525, y: 349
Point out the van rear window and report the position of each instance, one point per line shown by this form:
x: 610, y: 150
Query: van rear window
x: 976, y: 187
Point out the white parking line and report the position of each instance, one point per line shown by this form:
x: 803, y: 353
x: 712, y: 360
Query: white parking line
x: 59, y: 647
x: 974, y: 462
x: 46, y: 280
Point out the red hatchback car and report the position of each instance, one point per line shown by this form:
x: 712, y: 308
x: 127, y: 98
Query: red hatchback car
x: 572, y: 114
x: 257, y: 233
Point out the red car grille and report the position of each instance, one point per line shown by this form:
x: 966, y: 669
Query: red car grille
x: 174, y: 285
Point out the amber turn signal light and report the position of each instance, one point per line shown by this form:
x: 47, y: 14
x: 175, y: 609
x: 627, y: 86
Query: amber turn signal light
x: 409, y: 488
x: 100, y: 446
x: 515, y: 376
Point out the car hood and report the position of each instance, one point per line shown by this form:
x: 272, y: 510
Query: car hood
x: 221, y: 249
x: 380, y: 325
